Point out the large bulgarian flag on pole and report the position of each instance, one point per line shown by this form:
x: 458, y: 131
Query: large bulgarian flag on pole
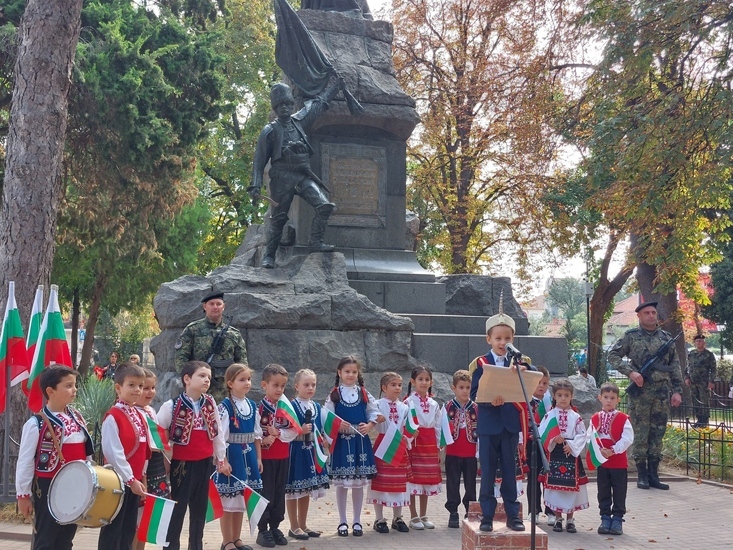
x: 13, y: 353
x: 549, y: 429
x: 34, y: 329
x: 51, y: 349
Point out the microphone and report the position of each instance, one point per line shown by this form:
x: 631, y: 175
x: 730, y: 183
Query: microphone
x: 514, y: 351
x: 308, y: 420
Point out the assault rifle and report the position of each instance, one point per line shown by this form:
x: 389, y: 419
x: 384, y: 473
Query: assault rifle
x: 650, y: 364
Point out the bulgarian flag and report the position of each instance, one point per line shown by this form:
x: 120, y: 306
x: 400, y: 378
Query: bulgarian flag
x: 331, y: 423
x: 155, y: 519
x: 545, y: 405
x: 320, y: 457
x: 255, y: 504
x: 411, y: 423
x: 158, y: 436
x: 392, y: 447
x: 549, y: 429
x: 285, y: 410
x: 34, y: 329
x: 214, y: 509
x: 51, y: 348
x: 594, y: 457
x: 13, y: 352
x: 446, y: 435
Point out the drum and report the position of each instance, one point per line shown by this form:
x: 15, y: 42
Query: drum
x: 85, y: 494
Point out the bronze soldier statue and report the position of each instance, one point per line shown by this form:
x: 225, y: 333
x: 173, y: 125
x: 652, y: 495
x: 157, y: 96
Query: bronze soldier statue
x: 285, y: 145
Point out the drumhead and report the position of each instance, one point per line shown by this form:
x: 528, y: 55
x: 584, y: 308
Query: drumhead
x: 71, y: 492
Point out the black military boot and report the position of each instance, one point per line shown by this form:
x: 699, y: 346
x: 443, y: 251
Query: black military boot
x: 318, y: 228
x: 654, y: 475
x: 643, y: 476
x: 273, y: 241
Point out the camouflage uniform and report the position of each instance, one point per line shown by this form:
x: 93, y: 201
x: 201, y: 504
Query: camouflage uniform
x: 701, y: 371
x: 194, y: 344
x: 650, y: 409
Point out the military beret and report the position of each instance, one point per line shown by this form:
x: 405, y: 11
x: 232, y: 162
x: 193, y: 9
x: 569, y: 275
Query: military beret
x: 213, y: 296
x: 699, y: 337
x: 646, y: 304
x: 499, y: 319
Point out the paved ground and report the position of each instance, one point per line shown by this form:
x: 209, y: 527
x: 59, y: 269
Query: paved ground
x: 689, y: 516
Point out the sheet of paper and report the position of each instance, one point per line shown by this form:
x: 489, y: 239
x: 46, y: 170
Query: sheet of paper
x: 504, y: 382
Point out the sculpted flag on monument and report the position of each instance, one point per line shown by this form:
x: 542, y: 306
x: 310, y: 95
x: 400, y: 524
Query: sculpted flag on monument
x: 13, y: 353
x: 51, y: 349
x: 300, y: 58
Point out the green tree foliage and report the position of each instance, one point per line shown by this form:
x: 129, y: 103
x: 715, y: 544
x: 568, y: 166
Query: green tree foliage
x: 479, y: 73
x: 653, y: 123
x: 568, y: 295
x: 247, y: 44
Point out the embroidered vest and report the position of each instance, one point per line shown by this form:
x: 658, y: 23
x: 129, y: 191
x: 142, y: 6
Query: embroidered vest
x: 184, y: 417
x: 454, y: 419
x: 134, y: 441
x: 620, y: 461
x: 279, y: 449
x: 47, y: 457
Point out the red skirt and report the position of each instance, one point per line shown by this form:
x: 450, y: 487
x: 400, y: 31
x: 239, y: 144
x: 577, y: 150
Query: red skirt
x: 424, y: 459
x: 390, y: 478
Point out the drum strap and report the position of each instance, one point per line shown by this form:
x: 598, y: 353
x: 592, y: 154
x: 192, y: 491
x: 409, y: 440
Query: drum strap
x: 54, y: 437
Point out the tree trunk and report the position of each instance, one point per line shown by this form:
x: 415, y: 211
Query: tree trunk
x: 32, y: 189
x: 603, y: 296
x: 93, y: 317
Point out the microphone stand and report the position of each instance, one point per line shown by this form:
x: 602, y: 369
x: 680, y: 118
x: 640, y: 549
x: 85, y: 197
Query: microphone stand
x: 515, y: 359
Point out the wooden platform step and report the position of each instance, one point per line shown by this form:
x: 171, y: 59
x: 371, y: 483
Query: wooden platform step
x: 501, y: 537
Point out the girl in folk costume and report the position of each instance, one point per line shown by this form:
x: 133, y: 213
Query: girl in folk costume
x: 240, y: 424
x: 304, y: 480
x: 197, y: 437
x: 564, y: 434
x: 389, y: 486
x: 352, y: 457
x: 156, y: 476
x: 425, y: 477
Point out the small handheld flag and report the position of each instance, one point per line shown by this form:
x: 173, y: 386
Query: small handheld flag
x: 285, y: 410
x: 446, y: 435
x: 549, y: 429
x: 158, y: 436
x: 214, y: 509
x: 411, y: 424
x: 154, y: 522
x: 255, y: 505
x: 594, y: 457
x: 319, y: 455
x: 331, y: 424
x: 392, y: 447
x: 545, y: 405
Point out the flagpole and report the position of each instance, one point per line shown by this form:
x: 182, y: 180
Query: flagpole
x: 6, y: 418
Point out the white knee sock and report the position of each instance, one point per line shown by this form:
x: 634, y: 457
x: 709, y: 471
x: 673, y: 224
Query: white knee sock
x: 397, y: 512
x: 357, y: 500
x: 341, y: 493
x: 379, y: 511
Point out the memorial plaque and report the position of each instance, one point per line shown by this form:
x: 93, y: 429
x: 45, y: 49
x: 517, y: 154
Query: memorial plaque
x: 356, y: 176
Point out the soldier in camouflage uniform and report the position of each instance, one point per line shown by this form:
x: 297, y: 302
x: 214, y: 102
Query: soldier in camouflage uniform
x: 648, y: 410
x: 700, y: 376
x: 195, y: 343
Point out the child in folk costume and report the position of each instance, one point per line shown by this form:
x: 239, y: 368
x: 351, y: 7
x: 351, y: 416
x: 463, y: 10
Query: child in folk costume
x: 460, y: 456
x: 565, y: 483
x: 156, y: 476
x: 425, y: 478
x: 499, y: 425
x: 389, y: 486
x: 540, y: 404
x: 277, y: 433
x: 240, y: 425
x: 126, y: 448
x: 352, y: 457
x: 616, y: 436
x: 50, y: 439
x: 304, y: 480
x: 195, y: 431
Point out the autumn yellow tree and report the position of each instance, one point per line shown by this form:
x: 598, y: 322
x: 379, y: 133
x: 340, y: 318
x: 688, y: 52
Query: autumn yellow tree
x: 479, y: 71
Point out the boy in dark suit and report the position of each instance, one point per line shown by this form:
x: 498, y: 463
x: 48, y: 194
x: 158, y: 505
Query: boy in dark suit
x: 498, y: 430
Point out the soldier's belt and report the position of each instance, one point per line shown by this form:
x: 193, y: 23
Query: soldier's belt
x: 241, y: 438
x: 220, y: 364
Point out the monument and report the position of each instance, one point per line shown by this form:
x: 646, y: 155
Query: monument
x: 370, y: 297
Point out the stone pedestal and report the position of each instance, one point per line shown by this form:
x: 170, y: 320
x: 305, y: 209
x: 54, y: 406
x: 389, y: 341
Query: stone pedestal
x: 472, y: 538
